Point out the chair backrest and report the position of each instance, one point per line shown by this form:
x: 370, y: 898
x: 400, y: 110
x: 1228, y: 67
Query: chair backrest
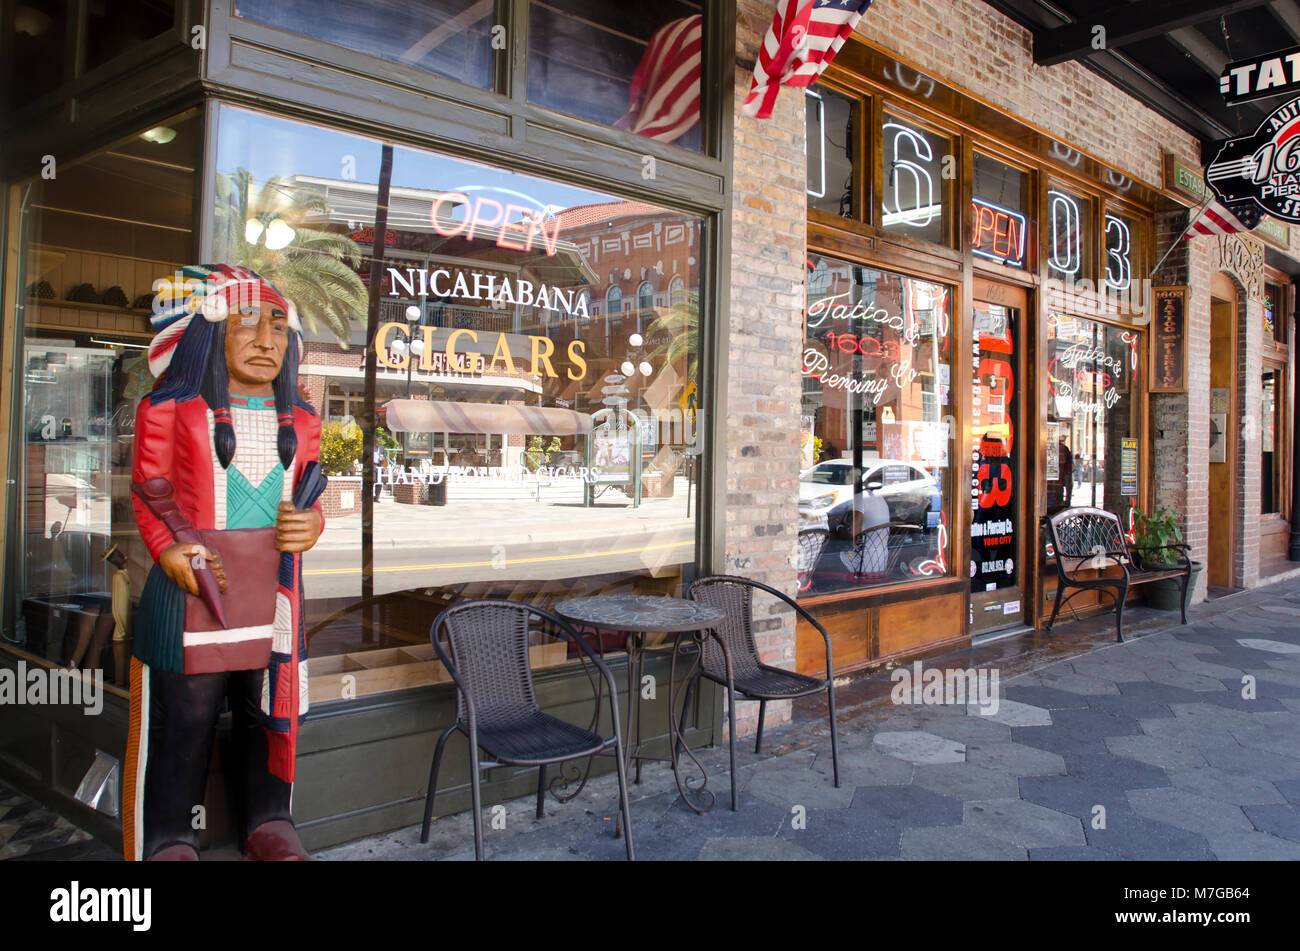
x: 870, y: 555
x: 489, y: 648
x: 812, y: 542
x: 735, y: 598
x: 1085, y: 532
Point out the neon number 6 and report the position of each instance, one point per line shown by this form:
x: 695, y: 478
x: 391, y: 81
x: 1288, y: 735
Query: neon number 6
x: 923, y: 207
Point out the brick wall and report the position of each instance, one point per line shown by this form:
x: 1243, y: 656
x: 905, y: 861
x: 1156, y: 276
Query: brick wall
x: 768, y: 235
x: 967, y: 43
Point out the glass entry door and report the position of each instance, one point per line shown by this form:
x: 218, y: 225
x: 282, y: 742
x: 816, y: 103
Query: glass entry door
x: 996, y: 480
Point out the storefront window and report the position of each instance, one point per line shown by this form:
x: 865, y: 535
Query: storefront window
x: 915, y: 195
x: 529, y: 449
x: 875, y: 493
x: 636, y: 67
x: 1068, y: 236
x: 998, y: 221
x: 832, y: 121
x: 1270, y: 468
x: 95, y: 239
x: 1092, y: 454
x: 1123, y: 246
x: 451, y: 38
x: 1275, y: 314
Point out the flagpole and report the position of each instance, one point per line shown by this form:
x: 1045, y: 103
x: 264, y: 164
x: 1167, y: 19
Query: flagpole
x: 1173, y: 244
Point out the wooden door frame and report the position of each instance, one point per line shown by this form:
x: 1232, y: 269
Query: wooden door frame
x: 993, y: 290
x: 1224, y: 291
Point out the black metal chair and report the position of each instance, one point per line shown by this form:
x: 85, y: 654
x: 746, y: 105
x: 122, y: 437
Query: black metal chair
x: 751, y: 678
x: 497, y: 706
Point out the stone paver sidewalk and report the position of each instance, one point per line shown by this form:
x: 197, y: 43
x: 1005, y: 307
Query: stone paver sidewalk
x: 1152, y: 749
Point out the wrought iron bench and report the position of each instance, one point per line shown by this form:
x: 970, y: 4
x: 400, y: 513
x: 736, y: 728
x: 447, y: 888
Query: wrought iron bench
x: 1091, y: 539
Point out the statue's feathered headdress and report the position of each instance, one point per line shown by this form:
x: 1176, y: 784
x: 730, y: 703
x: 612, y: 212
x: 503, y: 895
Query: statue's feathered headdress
x: 212, y: 291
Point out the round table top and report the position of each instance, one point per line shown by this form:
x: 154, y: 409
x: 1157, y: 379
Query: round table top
x: 640, y: 613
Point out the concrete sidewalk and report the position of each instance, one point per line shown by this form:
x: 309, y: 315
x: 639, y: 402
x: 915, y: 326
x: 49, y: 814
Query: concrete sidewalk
x: 1147, y: 750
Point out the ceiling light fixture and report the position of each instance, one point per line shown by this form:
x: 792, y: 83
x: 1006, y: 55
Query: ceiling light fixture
x: 159, y: 135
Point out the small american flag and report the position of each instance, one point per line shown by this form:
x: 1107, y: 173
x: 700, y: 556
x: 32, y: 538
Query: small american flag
x: 804, y: 38
x: 663, y: 101
x: 1217, y: 218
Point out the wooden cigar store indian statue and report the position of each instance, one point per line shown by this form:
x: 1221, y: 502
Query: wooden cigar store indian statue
x: 225, y: 482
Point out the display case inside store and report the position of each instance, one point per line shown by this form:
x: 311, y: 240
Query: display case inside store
x: 67, y: 512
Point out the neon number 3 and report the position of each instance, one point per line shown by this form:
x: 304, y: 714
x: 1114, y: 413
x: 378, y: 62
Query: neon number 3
x: 1118, y: 274
x: 923, y: 208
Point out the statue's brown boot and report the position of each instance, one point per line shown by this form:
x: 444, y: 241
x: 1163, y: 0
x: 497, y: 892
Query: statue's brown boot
x: 275, y: 841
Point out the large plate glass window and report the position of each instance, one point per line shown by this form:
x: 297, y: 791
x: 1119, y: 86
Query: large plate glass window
x: 1067, y: 235
x: 1124, y: 256
x: 875, y: 490
x: 94, y: 240
x: 633, y: 66
x: 832, y: 123
x: 450, y: 38
x: 1092, y: 439
x: 915, y: 192
x: 515, y: 455
x: 999, y: 224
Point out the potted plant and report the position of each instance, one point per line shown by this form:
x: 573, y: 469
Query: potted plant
x: 1154, y: 531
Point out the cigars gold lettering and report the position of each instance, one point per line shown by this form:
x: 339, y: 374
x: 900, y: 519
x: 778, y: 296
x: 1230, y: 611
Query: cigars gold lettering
x: 467, y: 349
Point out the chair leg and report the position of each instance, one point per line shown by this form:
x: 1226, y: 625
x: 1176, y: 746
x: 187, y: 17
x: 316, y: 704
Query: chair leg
x: 1120, y: 597
x: 541, y: 788
x: 762, y: 715
x: 1056, y: 608
x: 477, y: 797
x: 835, y: 739
x: 623, y: 806
x: 731, y: 737
x: 433, y: 781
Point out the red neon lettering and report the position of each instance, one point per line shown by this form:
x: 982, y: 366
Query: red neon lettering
x: 981, y: 214
x: 477, y: 219
x: 452, y: 198
x: 520, y: 227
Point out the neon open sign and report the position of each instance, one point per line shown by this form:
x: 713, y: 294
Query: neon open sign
x: 997, y: 233
x: 513, y: 226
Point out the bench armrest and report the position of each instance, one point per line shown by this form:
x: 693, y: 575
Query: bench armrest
x: 1181, y: 549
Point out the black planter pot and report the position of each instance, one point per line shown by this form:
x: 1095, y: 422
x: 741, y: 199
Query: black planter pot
x: 1166, y: 594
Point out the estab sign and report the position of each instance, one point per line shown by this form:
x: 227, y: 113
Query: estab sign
x: 997, y: 233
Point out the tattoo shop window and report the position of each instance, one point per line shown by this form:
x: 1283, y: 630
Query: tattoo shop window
x: 832, y: 121
x: 1068, y: 235
x: 875, y: 493
x: 919, y: 167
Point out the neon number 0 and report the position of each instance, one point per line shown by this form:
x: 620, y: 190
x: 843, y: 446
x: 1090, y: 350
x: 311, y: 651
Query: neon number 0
x: 1118, y: 268
x: 922, y: 212
x: 1066, y: 256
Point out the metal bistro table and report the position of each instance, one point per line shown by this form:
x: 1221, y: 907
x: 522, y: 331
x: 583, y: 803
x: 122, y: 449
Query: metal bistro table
x: 639, y: 615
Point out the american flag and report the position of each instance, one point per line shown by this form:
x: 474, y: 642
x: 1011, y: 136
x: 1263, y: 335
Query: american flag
x: 663, y: 101
x: 804, y: 38
x: 1216, y: 218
